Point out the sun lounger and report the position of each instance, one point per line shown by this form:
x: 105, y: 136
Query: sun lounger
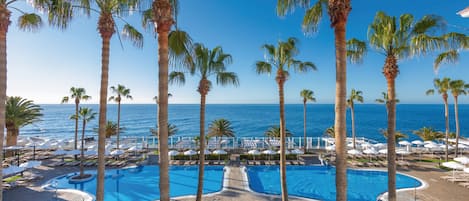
x: 12, y: 170
x: 464, y: 184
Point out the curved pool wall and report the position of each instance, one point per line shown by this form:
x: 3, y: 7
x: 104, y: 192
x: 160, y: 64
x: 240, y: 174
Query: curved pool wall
x: 318, y: 182
x: 142, y: 182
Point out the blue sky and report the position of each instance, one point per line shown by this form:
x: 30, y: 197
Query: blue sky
x: 42, y: 66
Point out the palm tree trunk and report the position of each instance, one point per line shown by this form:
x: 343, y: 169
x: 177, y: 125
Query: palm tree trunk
x: 200, y: 183
x: 118, y: 122
x: 106, y: 29
x: 12, y: 136
x: 445, y: 99
x: 82, y: 148
x: 390, y: 71
x: 76, y: 126
x: 352, y: 112
x: 456, y: 117
x: 283, y: 169
x: 163, y: 22
x: 304, y: 125
x: 340, y: 96
x: 4, y: 23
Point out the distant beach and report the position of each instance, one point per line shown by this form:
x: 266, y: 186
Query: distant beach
x: 253, y: 119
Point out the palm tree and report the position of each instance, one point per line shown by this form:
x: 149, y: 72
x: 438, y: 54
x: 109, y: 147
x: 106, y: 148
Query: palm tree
x: 458, y: 87
x: 86, y: 114
x: 26, y: 22
x: 111, y: 129
x: 307, y: 95
x: 121, y: 92
x: 354, y: 96
x: 384, y: 100
x: 78, y: 94
x: 338, y: 11
x: 428, y: 133
x: 206, y: 63
x: 19, y: 113
x: 397, y: 39
x: 442, y: 86
x: 172, y: 130
x: 220, y: 128
x: 175, y: 45
x: 330, y: 132
x: 398, y: 135
x: 282, y: 58
x: 274, y: 131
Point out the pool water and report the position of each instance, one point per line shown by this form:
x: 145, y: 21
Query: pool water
x: 142, y: 183
x: 318, y: 182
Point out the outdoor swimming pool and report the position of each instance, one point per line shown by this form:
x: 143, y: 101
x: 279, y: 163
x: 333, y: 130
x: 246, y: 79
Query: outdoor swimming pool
x: 141, y: 183
x: 318, y: 182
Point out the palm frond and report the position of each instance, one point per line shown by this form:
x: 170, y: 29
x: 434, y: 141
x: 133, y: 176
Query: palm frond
x: 288, y: 6
x: 263, y: 67
x: 180, y: 47
x: 430, y: 92
x: 60, y: 13
x: 422, y: 44
x: 226, y: 78
x: 428, y: 23
x: 132, y: 34
x: 147, y: 18
x: 177, y: 78
x: 451, y: 56
x: 29, y: 22
x: 312, y: 17
x: 356, y: 50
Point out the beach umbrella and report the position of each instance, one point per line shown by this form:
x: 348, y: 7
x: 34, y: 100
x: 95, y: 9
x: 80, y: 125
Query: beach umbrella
x: 463, y: 160
x: 92, y: 147
x: 117, y: 152
x: 12, y: 169
x: 91, y: 153
x: 354, y: 152
x: 172, y: 153
x: 269, y: 152
x: 428, y: 142
x: 370, y: 152
x: 383, y: 151
x: 73, y: 152
x: 417, y: 142
x: 379, y: 145
x: 286, y: 151
x: 254, y: 152
x: 16, y: 149
x: 404, y: 143
x: 206, y: 152
x: 190, y: 153
x: 30, y: 164
x: 402, y: 152
x: 219, y: 152
x: 453, y: 165
x: 33, y: 145
x: 466, y: 170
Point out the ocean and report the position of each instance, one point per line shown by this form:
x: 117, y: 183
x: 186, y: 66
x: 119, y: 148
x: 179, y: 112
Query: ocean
x: 252, y: 119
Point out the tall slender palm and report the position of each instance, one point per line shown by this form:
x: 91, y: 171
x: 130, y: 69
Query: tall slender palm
x: 121, y: 92
x: 338, y: 11
x: 27, y: 22
x: 108, y: 11
x: 274, y: 131
x: 78, y: 94
x: 428, y: 133
x: 442, y: 86
x: 457, y: 87
x: 206, y: 63
x: 281, y: 57
x: 354, y: 96
x: 172, y: 45
x: 307, y: 95
x: 384, y: 100
x: 220, y: 128
x: 19, y: 113
x: 398, y: 38
x: 86, y: 114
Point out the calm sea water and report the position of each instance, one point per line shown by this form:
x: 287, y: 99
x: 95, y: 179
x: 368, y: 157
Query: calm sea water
x: 253, y: 119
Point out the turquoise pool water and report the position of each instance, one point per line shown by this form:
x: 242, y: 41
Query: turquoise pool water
x: 141, y: 183
x: 318, y: 182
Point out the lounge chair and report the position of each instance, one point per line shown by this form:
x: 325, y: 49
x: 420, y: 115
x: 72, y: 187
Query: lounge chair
x: 12, y: 170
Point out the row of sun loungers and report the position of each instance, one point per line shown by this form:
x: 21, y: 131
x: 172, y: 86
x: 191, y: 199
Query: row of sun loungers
x: 195, y: 162
x: 461, y: 178
x: 274, y: 163
x: 87, y: 163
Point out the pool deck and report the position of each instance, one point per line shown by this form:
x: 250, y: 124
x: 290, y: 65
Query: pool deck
x: 236, y: 189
